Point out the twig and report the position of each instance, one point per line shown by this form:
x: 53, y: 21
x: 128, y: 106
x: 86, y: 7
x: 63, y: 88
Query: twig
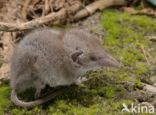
x: 145, y: 54
x: 58, y: 4
x: 150, y: 57
x: 46, y: 8
x: 25, y: 7
x: 98, y: 5
x: 51, y: 5
x: 148, y: 12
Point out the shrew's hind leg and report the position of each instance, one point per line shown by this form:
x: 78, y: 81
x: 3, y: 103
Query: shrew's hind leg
x: 39, y: 85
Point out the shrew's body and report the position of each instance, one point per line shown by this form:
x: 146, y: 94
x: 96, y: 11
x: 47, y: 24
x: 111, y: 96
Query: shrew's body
x: 55, y: 58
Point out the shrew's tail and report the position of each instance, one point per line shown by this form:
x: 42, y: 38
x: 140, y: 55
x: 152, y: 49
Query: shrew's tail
x: 31, y: 104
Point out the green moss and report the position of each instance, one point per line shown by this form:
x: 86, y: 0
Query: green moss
x: 141, y: 68
x: 103, y: 107
x: 108, y: 92
x: 4, y: 98
x: 139, y: 84
x: 126, y: 36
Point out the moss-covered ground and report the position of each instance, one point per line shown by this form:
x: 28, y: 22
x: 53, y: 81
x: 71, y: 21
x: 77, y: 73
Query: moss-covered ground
x: 127, y: 39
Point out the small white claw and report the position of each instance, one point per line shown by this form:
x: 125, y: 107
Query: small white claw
x: 80, y: 80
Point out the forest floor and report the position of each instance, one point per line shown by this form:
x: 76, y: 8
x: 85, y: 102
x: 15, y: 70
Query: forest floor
x: 129, y: 39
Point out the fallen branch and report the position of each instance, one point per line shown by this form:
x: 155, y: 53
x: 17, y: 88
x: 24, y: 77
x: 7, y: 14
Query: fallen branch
x: 150, y: 88
x: 98, y: 5
x: 148, y: 11
x: 34, y: 23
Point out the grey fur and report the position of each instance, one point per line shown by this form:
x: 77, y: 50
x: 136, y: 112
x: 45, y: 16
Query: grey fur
x: 55, y: 57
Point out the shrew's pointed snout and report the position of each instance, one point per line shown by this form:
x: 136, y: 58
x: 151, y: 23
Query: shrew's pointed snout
x: 108, y: 61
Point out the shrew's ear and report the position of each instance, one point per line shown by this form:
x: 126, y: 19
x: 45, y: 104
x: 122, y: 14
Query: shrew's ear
x: 75, y: 55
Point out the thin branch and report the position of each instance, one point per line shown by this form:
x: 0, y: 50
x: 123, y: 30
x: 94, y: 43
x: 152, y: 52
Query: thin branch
x: 145, y: 54
x: 31, y: 24
x: 98, y: 5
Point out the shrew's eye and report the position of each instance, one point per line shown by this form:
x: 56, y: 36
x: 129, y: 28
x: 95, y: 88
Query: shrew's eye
x: 77, y: 48
x: 93, y: 58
